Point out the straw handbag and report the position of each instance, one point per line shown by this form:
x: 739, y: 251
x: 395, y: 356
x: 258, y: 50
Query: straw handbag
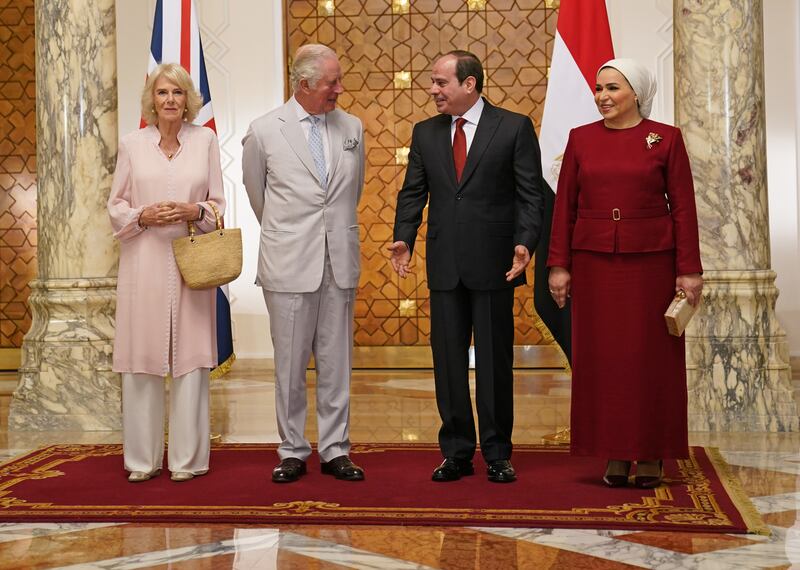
x: 209, y: 260
x: 679, y: 313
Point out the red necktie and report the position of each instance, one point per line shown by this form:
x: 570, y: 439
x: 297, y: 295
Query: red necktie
x: 460, y: 148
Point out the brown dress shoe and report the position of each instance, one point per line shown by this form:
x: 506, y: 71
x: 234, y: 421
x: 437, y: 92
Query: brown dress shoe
x: 649, y: 481
x: 617, y: 473
x: 289, y: 470
x: 342, y: 468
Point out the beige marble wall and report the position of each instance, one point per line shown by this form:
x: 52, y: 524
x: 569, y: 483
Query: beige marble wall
x: 739, y: 376
x: 65, y: 378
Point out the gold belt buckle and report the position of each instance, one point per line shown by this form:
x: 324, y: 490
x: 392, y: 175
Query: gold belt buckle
x: 615, y: 215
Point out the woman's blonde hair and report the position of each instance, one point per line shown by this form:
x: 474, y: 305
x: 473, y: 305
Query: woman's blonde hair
x: 180, y: 77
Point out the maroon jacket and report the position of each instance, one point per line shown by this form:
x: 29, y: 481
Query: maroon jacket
x: 626, y: 191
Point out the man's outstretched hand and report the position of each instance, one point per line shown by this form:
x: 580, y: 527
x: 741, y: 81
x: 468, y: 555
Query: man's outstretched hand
x: 400, y: 258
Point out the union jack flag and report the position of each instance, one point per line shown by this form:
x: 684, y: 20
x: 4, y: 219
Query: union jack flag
x: 176, y: 39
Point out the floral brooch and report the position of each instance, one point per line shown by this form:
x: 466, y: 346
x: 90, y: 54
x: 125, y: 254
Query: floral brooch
x: 350, y: 144
x: 651, y: 139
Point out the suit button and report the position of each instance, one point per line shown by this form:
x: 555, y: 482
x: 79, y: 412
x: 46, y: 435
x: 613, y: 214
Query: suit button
x: 458, y: 196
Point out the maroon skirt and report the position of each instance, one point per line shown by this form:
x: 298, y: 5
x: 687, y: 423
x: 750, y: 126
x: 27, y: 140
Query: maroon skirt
x: 628, y: 374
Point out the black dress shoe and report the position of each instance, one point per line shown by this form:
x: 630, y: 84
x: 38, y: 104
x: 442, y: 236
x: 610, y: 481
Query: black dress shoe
x: 501, y: 471
x: 289, y: 470
x: 342, y: 468
x: 453, y: 469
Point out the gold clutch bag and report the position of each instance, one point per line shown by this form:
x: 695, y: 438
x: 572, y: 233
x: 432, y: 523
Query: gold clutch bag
x: 679, y: 313
x: 209, y: 260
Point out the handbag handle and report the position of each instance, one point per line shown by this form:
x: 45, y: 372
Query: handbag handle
x: 216, y: 216
x: 680, y: 295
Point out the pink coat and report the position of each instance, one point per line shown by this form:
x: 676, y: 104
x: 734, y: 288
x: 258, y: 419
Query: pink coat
x: 152, y: 299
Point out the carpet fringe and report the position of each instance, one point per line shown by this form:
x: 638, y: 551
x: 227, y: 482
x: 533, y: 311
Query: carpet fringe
x: 752, y: 519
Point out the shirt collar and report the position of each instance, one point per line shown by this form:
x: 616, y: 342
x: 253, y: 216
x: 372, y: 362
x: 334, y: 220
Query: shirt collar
x: 155, y: 134
x: 302, y: 114
x: 473, y: 115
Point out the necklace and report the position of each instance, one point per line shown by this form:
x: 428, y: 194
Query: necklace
x: 170, y: 153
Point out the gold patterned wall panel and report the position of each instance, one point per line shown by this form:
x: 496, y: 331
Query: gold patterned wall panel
x: 386, y: 48
x: 17, y: 169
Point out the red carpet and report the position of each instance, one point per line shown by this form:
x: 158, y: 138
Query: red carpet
x: 554, y: 490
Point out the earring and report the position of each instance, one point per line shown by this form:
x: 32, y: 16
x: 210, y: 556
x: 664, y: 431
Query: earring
x: 184, y: 110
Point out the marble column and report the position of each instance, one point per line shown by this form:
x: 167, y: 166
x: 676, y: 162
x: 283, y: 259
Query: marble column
x: 737, y: 354
x: 66, y: 382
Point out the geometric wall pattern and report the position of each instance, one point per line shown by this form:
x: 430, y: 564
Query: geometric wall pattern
x: 386, y: 48
x: 17, y: 168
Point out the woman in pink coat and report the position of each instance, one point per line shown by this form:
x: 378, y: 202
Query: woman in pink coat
x: 167, y: 174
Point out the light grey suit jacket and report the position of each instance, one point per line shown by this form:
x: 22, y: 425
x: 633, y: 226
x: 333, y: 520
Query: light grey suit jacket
x: 296, y: 214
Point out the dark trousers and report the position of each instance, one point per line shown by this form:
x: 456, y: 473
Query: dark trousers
x: 457, y: 315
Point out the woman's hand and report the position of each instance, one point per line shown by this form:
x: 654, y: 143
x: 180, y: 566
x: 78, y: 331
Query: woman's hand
x: 154, y: 215
x: 166, y: 213
x: 179, y: 212
x: 692, y: 285
x: 559, y: 282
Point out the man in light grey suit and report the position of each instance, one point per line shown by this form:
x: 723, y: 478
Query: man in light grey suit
x: 303, y: 169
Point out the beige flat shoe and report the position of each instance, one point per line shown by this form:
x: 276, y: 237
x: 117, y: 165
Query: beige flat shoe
x: 139, y: 476
x: 180, y: 476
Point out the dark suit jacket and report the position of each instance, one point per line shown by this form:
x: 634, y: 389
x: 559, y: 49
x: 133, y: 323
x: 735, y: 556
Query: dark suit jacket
x: 473, y: 225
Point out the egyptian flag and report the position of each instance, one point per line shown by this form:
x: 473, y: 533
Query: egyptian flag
x: 582, y: 45
x: 176, y: 39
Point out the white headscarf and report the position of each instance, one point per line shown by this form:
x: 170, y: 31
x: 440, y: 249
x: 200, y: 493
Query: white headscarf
x: 640, y: 78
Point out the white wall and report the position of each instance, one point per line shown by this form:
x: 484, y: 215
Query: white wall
x: 781, y: 73
x: 243, y: 42
x: 642, y: 30
x: 243, y: 48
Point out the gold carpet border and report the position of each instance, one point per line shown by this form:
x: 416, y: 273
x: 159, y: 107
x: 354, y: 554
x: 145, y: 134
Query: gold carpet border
x: 548, y: 337
x: 747, y: 510
x: 651, y: 510
x: 223, y: 368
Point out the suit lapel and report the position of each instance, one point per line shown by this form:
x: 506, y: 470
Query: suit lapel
x: 293, y: 133
x: 445, y: 145
x: 487, y: 127
x: 335, y: 140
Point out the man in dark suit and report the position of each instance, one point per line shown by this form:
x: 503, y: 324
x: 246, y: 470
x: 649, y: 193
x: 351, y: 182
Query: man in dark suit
x: 478, y: 168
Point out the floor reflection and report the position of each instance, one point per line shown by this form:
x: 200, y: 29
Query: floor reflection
x: 399, y: 406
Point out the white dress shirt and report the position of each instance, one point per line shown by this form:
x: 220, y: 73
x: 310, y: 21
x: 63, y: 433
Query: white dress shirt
x: 472, y: 116
x: 305, y: 121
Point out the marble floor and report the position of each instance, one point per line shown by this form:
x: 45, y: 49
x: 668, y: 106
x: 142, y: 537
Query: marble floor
x: 389, y: 406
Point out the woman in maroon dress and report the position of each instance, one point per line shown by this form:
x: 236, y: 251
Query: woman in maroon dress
x: 624, y: 240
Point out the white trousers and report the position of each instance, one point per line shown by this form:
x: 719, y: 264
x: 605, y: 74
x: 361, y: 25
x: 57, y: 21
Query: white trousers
x: 143, y: 422
x: 320, y: 322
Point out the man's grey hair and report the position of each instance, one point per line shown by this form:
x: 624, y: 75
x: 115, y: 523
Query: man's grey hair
x: 306, y: 64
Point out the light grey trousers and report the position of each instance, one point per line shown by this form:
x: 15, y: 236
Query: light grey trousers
x: 143, y: 422
x: 320, y: 322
